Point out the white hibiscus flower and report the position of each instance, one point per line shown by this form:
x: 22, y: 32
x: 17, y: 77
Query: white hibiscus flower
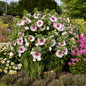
x: 39, y: 23
x: 21, y: 49
x: 59, y: 54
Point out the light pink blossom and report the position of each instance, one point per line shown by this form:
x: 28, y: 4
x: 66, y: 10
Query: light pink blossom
x: 21, y: 49
x: 14, y: 43
x: 42, y: 28
x: 53, y: 43
x: 59, y: 54
x: 26, y: 28
x: 33, y: 28
x: 53, y: 19
x: 31, y: 38
x: 20, y: 41
x: 39, y: 23
x: 41, y: 41
x: 27, y: 21
x: 65, y: 51
x: 36, y: 56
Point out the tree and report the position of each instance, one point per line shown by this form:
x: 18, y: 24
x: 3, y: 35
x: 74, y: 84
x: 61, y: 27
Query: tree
x: 41, y: 5
x: 12, y: 8
x: 2, y: 7
x: 76, y: 8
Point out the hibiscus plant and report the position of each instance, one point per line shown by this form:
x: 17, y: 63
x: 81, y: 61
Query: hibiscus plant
x: 42, y: 41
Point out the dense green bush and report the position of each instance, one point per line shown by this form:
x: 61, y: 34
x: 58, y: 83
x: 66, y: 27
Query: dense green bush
x: 41, y: 42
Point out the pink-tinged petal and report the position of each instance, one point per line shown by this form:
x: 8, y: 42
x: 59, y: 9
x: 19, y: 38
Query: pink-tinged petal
x: 59, y: 54
x: 53, y: 19
x: 33, y: 28
x: 41, y: 41
x: 31, y: 38
x: 65, y: 51
x: 20, y: 41
x: 21, y: 49
x: 39, y: 23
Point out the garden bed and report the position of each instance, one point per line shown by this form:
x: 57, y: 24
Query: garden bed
x: 49, y: 78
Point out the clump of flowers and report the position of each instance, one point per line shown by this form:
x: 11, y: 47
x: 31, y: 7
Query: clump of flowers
x: 44, y: 37
x: 78, y: 65
x: 7, y: 64
x: 7, y: 19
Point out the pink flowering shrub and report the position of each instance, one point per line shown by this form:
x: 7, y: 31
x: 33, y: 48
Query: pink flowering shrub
x: 78, y: 65
x: 42, y: 41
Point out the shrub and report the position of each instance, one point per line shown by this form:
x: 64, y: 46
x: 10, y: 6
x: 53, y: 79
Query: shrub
x: 49, y: 76
x: 80, y: 80
x: 66, y: 80
x: 39, y: 82
x: 72, y: 80
x: 8, y: 79
x: 42, y: 40
x: 78, y: 63
x: 7, y: 19
x: 54, y: 82
x: 4, y: 33
x: 26, y: 81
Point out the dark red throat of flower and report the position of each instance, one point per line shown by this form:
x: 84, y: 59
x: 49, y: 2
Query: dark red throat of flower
x: 41, y: 40
x: 58, y: 25
x: 60, y: 53
x: 37, y: 54
x: 53, y: 18
x: 21, y: 49
x: 30, y: 38
x: 19, y: 41
x: 39, y: 23
x: 33, y: 27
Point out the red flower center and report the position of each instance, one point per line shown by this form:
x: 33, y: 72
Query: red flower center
x: 41, y: 40
x: 19, y: 41
x: 58, y: 25
x: 53, y: 18
x: 33, y: 27
x: 39, y: 23
x: 21, y: 49
x: 37, y: 54
x: 30, y: 38
x: 60, y: 53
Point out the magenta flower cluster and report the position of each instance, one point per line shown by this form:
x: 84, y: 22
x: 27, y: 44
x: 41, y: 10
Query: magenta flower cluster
x: 81, y: 50
x: 73, y: 61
